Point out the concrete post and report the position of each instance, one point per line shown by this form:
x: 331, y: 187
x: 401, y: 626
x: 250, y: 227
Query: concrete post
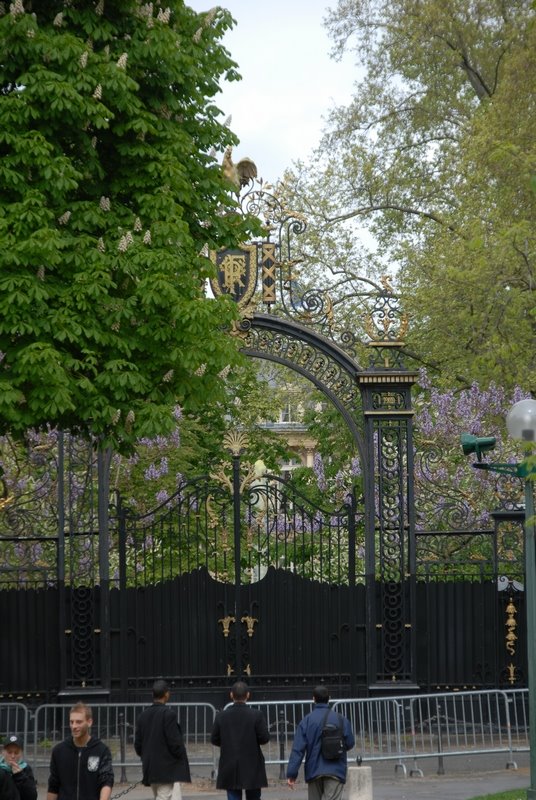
x: 359, y: 783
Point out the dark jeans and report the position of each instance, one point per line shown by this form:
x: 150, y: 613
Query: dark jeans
x: 236, y: 794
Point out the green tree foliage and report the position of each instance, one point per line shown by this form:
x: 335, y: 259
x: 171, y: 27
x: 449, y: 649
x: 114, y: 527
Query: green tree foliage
x: 108, y: 198
x: 434, y: 157
x: 153, y: 471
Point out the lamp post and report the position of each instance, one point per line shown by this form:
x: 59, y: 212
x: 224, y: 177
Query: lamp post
x: 521, y: 424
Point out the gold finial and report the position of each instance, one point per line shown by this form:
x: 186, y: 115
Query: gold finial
x: 235, y: 442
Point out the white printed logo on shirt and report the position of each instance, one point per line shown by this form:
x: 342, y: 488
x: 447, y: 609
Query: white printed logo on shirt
x: 93, y: 763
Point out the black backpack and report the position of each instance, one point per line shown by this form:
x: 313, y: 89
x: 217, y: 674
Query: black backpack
x: 332, y: 738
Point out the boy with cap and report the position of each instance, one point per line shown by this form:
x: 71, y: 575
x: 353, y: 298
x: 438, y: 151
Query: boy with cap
x: 18, y: 771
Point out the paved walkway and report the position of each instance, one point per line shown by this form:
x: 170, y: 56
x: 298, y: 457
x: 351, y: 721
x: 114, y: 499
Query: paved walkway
x: 464, y: 779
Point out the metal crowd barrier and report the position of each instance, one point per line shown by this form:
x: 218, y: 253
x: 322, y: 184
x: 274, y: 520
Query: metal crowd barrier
x: 115, y: 724
x: 456, y: 724
x: 518, y: 706
x: 431, y: 726
x: 401, y: 728
x: 377, y: 724
x: 14, y: 720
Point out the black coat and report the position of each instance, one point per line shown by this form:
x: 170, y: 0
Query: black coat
x: 159, y: 744
x: 7, y: 787
x: 80, y: 772
x: 25, y: 783
x: 239, y: 732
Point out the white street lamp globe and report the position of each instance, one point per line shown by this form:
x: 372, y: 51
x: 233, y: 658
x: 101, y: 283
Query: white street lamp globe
x: 521, y: 421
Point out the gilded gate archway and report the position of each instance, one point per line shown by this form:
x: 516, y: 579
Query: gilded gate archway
x: 298, y: 330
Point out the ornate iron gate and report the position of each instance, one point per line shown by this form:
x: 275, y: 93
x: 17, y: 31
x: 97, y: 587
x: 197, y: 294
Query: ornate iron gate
x: 237, y: 575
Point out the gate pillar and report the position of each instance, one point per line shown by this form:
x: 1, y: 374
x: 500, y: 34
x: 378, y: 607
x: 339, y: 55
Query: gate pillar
x: 389, y: 504
x: 389, y: 528
x: 83, y: 569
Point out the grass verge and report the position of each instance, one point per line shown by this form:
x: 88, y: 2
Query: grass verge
x: 515, y: 794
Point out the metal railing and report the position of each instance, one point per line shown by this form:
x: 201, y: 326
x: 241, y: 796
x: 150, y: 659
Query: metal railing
x: 518, y: 709
x: 432, y: 726
x: 461, y: 723
x: 378, y: 728
x: 115, y: 724
x: 14, y: 720
x: 400, y: 729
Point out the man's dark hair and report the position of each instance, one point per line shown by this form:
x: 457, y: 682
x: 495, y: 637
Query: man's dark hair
x: 160, y: 688
x: 321, y: 694
x: 239, y: 690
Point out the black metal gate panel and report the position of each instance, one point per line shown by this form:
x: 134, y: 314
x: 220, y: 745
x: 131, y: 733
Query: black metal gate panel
x: 238, y: 576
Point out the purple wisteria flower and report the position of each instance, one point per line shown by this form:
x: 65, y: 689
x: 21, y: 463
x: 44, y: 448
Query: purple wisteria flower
x: 318, y: 469
x: 154, y: 472
x: 355, y: 468
x: 162, y: 496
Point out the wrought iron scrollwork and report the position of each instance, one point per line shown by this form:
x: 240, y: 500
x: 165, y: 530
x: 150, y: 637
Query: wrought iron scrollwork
x: 81, y: 636
x: 319, y: 366
x: 386, y: 327
x: 272, y: 268
x: 442, y: 504
x: 391, y: 446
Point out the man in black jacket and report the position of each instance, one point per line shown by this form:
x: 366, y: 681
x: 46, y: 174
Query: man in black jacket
x: 159, y: 744
x: 238, y: 732
x: 81, y: 765
x: 20, y: 772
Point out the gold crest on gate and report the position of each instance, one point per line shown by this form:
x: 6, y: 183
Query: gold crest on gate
x: 236, y: 273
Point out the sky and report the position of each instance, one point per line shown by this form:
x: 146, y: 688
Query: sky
x: 289, y: 82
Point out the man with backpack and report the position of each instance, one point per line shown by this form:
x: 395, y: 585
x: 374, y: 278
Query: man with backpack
x: 323, y: 737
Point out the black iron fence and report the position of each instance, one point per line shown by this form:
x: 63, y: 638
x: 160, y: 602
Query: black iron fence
x: 239, y: 576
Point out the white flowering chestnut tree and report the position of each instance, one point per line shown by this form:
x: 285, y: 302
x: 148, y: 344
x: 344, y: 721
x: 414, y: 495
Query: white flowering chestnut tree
x: 109, y: 197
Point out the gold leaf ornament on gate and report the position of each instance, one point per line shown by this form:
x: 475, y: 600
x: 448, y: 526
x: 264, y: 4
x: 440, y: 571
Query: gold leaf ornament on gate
x: 235, y: 442
x: 511, y: 626
x: 250, y: 624
x: 226, y: 623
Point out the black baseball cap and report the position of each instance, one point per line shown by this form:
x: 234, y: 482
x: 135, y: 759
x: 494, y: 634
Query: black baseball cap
x: 13, y: 739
